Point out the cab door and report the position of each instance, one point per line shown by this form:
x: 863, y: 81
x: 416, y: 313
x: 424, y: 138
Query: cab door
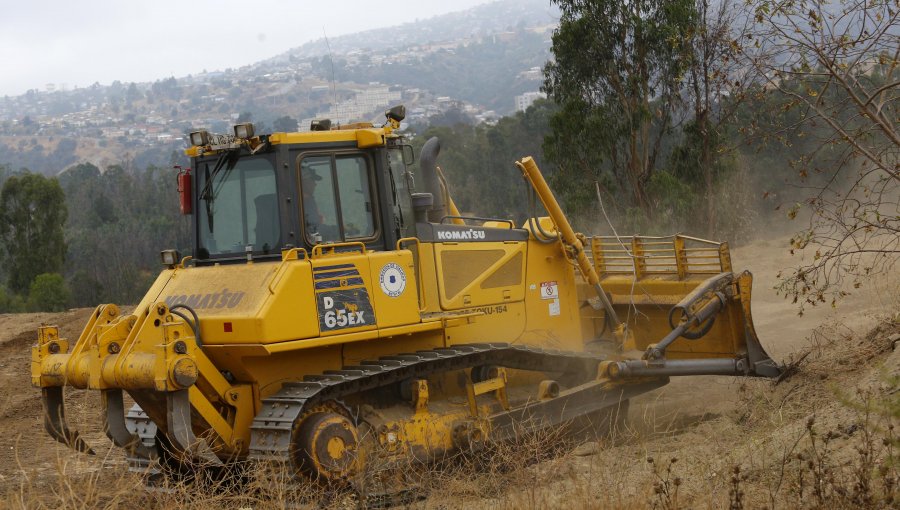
x: 338, y: 198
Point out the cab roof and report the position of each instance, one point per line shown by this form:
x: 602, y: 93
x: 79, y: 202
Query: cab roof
x: 364, y: 134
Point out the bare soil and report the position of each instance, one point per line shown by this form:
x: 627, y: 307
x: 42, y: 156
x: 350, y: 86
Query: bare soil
x: 709, y: 424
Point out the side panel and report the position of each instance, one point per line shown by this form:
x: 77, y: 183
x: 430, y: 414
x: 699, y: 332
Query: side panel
x: 246, y: 303
x: 343, y: 286
x: 289, y: 312
x: 394, y: 290
x: 552, y: 306
x: 479, y: 274
x: 503, y: 322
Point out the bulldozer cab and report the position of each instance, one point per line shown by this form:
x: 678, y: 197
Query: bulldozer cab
x: 300, y: 190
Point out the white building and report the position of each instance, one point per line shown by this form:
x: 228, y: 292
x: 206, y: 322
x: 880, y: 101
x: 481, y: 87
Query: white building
x: 359, y: 108
x: 527, y: 99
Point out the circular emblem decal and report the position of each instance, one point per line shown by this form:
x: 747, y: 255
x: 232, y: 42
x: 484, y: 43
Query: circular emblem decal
x: 392, y: 279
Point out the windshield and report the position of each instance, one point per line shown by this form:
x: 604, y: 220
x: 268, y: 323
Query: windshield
x: 238, y: 206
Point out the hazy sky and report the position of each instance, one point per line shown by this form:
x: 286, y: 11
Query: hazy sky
x: 79, y: 42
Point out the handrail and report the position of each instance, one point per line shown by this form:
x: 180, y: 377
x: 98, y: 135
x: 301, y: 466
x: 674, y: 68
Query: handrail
x: 321, y: 250
x: 670, y: 255
x: 286, y: 255
x: 417, y: 260
x: 477, y: 218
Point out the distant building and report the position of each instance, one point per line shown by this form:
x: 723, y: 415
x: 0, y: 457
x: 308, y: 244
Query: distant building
x: 534, y: 74
x: 527, y: 99
x: 364, y: 103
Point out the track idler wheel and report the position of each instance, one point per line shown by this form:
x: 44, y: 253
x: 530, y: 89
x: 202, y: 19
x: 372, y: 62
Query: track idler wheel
x: 326, y: 445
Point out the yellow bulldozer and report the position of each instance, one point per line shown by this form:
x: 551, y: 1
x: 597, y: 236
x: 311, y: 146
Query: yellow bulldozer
x: 335, y: 302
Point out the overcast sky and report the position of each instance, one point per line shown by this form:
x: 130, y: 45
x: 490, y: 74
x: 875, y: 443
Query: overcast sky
x: 79, y: 42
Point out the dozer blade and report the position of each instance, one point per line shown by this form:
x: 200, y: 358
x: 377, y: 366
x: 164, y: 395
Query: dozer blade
x: 55, y: 420
x: 737, y: 352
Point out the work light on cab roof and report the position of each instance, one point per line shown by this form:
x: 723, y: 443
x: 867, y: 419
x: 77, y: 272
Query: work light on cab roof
x: 243, y: 131
x: 199, y: 138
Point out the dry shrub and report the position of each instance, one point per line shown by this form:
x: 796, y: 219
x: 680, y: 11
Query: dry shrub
x: 834, y: 353
x: 513, y: 473
x: 825, y: 435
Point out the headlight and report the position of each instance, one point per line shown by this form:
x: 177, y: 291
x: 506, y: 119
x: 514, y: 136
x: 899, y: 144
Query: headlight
x: 200, y: 137
x: 170, y: 257
x: 397, y: 113
x: 320, y: 125
x: 243, y: 131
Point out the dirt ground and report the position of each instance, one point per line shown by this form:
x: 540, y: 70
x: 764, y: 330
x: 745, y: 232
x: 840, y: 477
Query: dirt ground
x: 709, y: 424
x: 26, y: 444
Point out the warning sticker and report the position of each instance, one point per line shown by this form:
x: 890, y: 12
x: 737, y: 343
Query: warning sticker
x: 549, y: 290
x: 554, y: 308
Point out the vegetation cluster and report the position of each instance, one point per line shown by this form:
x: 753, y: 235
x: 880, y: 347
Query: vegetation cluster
x: 720, y: 118
x: 84, y: 237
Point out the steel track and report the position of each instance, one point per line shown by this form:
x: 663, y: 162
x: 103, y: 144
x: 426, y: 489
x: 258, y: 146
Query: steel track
x: 271, y: 429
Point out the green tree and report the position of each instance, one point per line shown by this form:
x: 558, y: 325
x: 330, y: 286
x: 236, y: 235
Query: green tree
x: 127, y: 214
x: 715, y: 81
x: 48, y: 293
x: 478, y: 161
x: 617, y: 74
x: 32, y: 214
x: 133, y: 94
x: 10, y: 303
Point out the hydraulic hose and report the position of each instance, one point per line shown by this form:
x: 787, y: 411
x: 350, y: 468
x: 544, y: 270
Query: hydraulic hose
x: 194, y: 324
x: 539, y: 234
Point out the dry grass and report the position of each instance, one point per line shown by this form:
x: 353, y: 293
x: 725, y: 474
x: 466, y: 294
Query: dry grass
x: 822, y: 438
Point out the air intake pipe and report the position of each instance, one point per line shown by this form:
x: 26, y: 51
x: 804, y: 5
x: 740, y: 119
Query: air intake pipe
x: 428, y: 167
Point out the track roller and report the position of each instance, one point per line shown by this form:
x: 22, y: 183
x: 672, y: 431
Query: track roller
x: 326, y: 445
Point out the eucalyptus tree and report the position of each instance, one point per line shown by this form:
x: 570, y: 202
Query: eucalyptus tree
x: 617, y: 74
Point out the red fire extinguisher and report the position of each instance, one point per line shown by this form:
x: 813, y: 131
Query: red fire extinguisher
x: 184, y: 189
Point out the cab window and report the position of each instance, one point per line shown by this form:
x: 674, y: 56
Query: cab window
x: 238, y: 207
x: 336, y: 197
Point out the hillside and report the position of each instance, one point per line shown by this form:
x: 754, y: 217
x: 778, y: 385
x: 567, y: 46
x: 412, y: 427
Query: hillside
x: 474, y: 61
x: 499, y: 16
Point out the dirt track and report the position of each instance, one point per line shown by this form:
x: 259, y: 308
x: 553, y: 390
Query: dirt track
x: 702, y: 420
x: 21, y: 422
